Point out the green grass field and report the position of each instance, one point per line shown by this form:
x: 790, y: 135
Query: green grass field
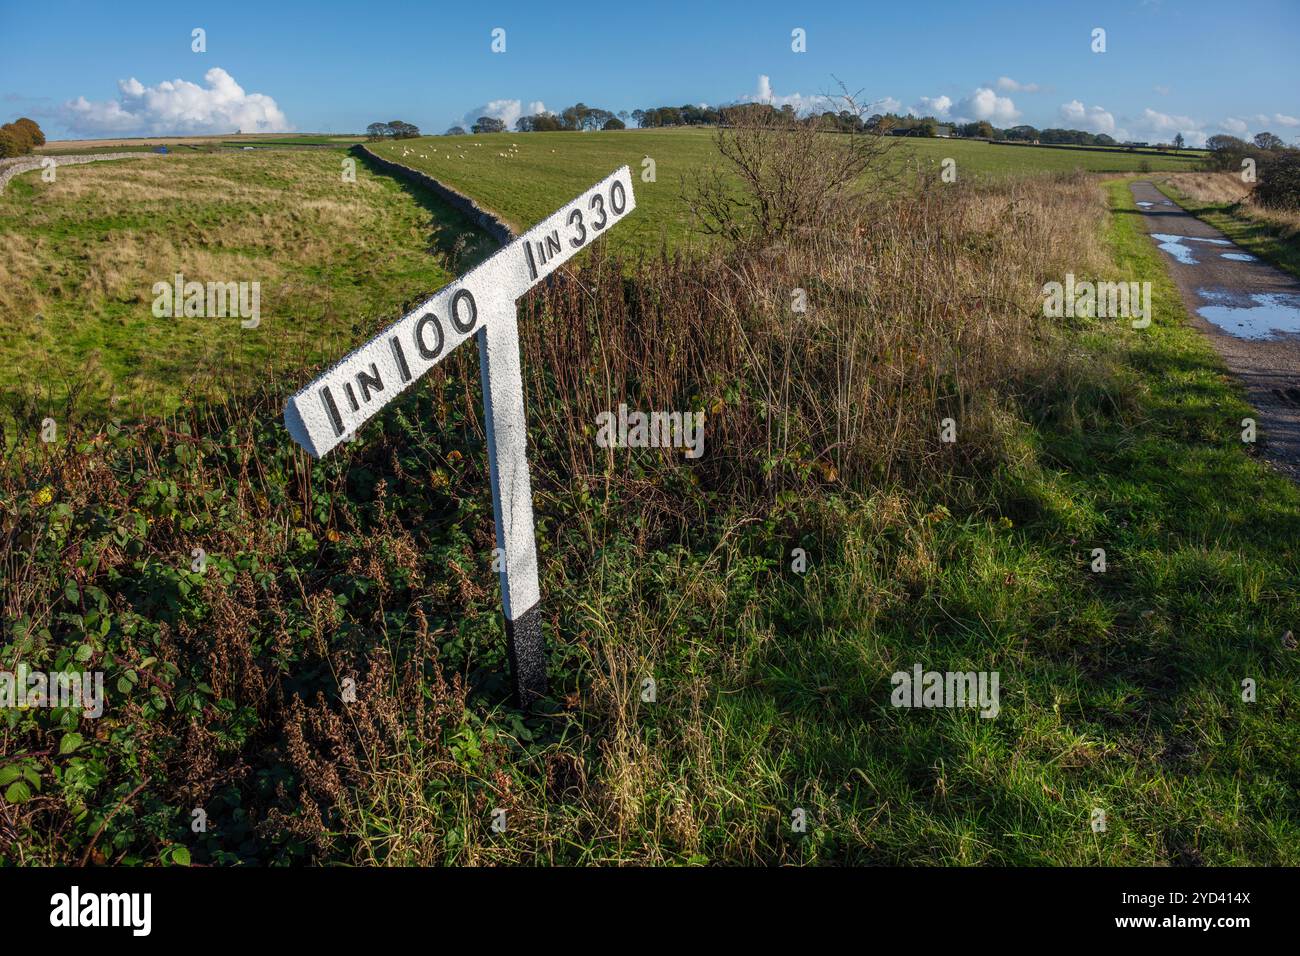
x: 84, y: 252
x: 81, y: 256
x: 523, y: 177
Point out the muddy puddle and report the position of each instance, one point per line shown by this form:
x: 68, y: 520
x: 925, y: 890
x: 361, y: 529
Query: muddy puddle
x: 1255, y: 315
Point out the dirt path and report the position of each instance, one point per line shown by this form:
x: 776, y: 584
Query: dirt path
x: 1248, y: 308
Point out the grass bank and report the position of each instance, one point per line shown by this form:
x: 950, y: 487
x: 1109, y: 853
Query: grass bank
x: 79, y: 258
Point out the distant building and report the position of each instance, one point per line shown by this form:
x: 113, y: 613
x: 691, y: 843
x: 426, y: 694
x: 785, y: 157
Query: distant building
x: 943, y: 132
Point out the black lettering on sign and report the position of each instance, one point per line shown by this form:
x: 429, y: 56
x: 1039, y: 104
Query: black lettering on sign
x: 332, y: 410
x: 598, y: 203
x: 553, y: 243
x: 400, y: 358
x: 532, y: 266
x: 367, y: 382
x: 463, y: 295
x: 617, y: 197
x: 582, y: 230
x: 352, y: 397
x: 428, y: 352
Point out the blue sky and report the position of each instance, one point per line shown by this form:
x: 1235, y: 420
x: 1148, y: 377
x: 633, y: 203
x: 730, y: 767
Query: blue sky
x: 1189, y: 66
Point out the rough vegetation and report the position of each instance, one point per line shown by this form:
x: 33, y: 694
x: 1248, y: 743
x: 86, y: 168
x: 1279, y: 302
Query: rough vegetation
x: 229, y: 669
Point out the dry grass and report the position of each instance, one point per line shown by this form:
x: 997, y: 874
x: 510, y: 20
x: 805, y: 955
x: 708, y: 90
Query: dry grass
x: 1227, y: 189
x: 917, y: 309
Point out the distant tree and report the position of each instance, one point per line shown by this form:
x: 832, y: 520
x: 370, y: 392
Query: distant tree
x: 455, y: 131
x: 639, y: 116
x: 21, y: 137
x: 1104, y: 140
x: 982, y: 129
x: 376, y: 131
x: 1022, y: 133
x: 1269, y: 141
x: 488, y: 124
x: 575, y: 116
x: 33, y: 130
x: 10, y: 143
x: 1279, y: 182
x: 1227, y: 152
x: 668, y: 116
x: 1223, y: 143
x: 1179, y: 141
x: 402, y: 130
x: 614, y: 123
x: 623, y: 115
x: 1073, y: 137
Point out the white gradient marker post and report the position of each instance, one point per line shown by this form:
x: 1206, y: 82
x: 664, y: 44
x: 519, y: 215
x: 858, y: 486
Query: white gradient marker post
x: 480, y: 303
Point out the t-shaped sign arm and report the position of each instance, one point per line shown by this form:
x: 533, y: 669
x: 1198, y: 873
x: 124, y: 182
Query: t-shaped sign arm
x: 480, y: 303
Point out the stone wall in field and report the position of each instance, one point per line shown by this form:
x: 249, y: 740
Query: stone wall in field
x: 489, y: 222
x: 25, y: 164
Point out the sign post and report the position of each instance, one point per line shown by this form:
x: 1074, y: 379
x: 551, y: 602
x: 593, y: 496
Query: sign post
x: 480, y: 303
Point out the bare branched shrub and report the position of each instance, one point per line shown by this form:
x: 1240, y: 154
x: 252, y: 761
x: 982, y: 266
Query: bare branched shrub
x: 782, y: 174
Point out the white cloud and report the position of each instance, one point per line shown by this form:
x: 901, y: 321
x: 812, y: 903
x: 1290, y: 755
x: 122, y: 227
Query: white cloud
x: 984, y: 104
x: 1161, y: 89
x: 764, y: 93
x: 1157, y: 127
x: 505, y: 110
x: 1094, y: 119
x: 817, y: 102
x: 937, y: 106
x: 177, y: 106
x: 1007, y: 85
x: 1236, y: 126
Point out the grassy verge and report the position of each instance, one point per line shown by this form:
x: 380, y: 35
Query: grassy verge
x: 1274, y: 237
x: 1120, y: 691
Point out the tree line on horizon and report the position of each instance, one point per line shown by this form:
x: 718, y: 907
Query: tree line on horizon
x: 393, y: 129
x: 580, y: 118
